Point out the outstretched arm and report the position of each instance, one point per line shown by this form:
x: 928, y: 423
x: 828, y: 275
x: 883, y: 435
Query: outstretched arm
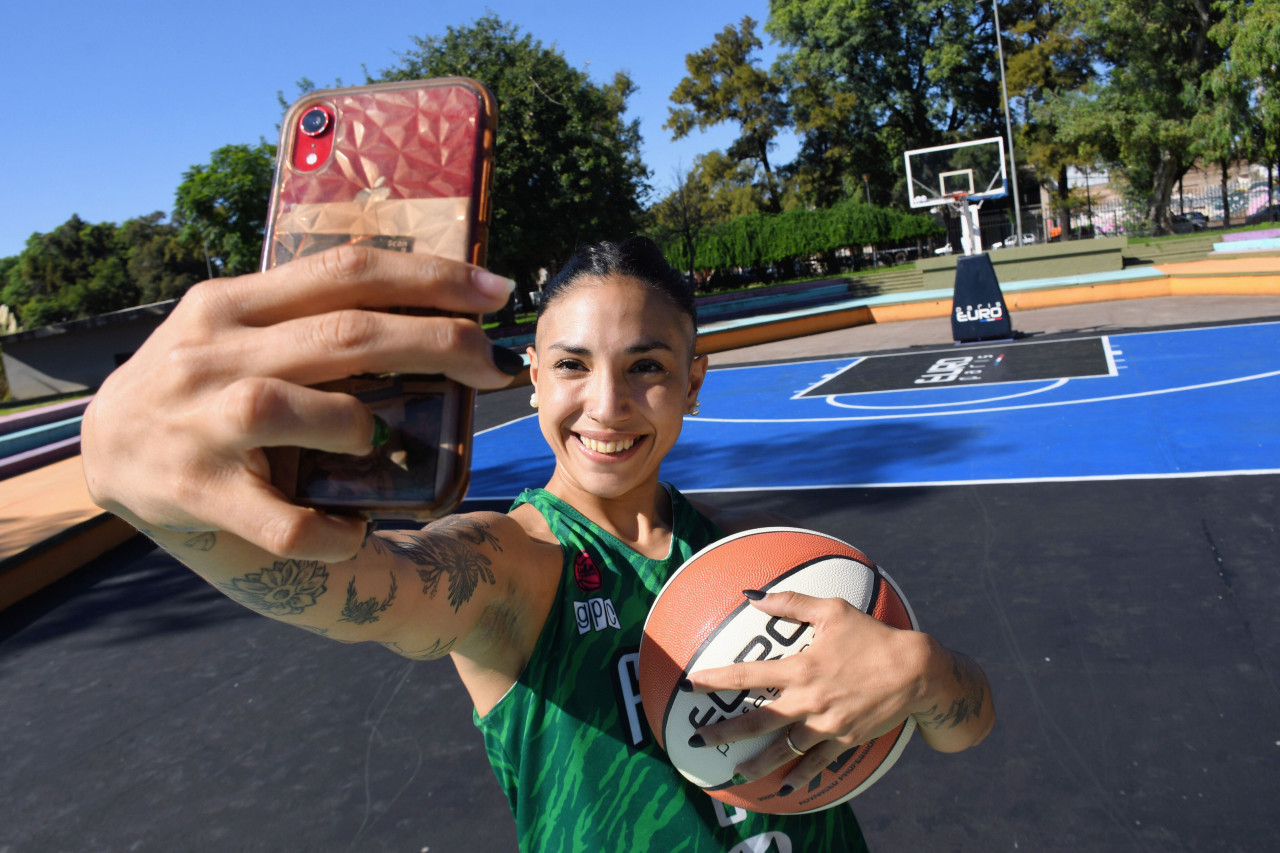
x: 173, y: 441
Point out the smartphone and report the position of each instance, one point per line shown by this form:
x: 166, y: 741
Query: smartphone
x: 405, y: 167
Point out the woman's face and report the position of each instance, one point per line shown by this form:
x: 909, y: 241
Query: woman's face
x: 614, y: 380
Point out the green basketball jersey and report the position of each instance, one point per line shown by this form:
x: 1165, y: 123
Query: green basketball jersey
x: 569, y: 742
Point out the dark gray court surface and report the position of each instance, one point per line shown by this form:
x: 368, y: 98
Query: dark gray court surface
x: 1130, y: 628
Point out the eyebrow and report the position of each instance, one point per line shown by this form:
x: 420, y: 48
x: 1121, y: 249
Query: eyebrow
x: 642, y: 346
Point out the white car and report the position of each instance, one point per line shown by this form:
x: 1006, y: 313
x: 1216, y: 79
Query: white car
x: 1010, y: 242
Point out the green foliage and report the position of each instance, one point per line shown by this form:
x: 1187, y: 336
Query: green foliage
x: 760, y: 240
x: 81, y: 270
x: 1245, y: 88
x: 1144, y: 111
x: 222, y: 207
x: 725, y: 84
x: 1045, y: 54
x: 869, y: 79
x: 567, y: 167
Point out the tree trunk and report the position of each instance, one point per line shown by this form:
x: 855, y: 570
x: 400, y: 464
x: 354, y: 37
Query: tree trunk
x: 1167, y: 174
x: 1226, y: 199
x: 1063, y: 192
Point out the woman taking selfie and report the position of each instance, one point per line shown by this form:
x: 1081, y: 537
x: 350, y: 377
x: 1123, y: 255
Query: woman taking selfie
x: 614, y: 375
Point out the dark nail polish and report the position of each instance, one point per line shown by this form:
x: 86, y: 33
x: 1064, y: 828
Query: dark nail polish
x: 786, y: 790
x: 508, y: 361
x: 696, y: 741
x: 684, y: 685
x: 753, y: 594
x: 381, y: 432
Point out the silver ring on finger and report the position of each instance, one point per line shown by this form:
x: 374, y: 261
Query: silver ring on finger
x: 791, y: 745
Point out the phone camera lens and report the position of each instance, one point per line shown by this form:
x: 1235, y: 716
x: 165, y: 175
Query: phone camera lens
x: 314, y: 122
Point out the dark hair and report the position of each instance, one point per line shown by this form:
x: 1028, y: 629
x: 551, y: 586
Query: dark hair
x: 636, y: 257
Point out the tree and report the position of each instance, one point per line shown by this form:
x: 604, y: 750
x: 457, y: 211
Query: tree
x: 725, y: 84
x: 221, y: 207
x: 73, y: 271
x: 159, y: 264
x: 1245, y: 86
x: 1142, y: 110
x: 1046, y: 54
x: 567, y: 167
x: 870, y: 79
x: 81, y: 270
x: 685, y: 214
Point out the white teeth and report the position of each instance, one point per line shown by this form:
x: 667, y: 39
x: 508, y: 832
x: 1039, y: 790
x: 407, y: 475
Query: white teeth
x: 606, y: 446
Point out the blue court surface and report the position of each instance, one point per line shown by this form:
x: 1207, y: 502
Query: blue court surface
x: 1190, y: 402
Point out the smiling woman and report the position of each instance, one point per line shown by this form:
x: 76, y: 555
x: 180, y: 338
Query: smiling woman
x: 541, y: 609
x: 613, y: 395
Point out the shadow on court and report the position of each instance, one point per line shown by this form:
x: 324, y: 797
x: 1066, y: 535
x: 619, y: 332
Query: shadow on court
x: 1130, y: 629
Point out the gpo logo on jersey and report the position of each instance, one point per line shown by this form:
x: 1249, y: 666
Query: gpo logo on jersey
x: 595, y: 614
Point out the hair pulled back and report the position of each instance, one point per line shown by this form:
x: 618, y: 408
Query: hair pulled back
x: 634, y: 257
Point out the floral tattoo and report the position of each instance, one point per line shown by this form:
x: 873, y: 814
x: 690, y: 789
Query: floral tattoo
x: 286, y: 589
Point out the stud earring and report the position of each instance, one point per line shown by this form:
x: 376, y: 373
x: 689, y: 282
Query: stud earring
x: 697, y: 407
x: 533, y: 399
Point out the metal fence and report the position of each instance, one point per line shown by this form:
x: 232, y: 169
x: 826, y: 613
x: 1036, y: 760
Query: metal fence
x: 1115, y: 217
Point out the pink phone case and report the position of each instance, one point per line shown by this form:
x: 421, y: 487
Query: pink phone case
x: 402, y: 166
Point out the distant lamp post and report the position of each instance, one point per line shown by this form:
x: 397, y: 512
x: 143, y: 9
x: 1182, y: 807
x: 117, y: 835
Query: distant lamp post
x: 866, y: 182
x: 1008, y: 125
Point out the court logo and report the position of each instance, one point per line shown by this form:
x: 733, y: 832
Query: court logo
x: 989, y: 313
x: 586, y: 574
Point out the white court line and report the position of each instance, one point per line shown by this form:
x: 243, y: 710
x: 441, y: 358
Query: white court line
x: 831, y: 400
x: 994, y: 481
x: 506, y: 424
x: 1024, y: 407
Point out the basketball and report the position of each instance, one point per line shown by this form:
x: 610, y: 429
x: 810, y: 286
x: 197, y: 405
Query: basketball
x: 701, y: 620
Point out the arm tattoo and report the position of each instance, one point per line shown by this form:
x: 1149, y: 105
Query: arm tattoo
x: 966, y: 706
x: 445, y: 555
x: 366, y: 611
x: 202, y: 542
x: 466, y: 529
x: 438, y: 650
x: 286, y: 589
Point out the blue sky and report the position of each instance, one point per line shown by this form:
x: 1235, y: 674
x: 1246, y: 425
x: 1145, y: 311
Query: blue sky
x: 107, y: 104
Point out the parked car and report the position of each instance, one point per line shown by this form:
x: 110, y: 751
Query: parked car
x: 1011, y: 241
x: 1270, y: 213
x: 1185, y: 223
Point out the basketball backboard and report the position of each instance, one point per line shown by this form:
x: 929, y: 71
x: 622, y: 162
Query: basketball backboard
x: 941, y: 174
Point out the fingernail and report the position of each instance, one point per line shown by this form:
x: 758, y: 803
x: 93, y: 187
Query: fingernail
x: 508, y: 361
x: 753, y: 594
x: 785, y: 790
x: 381, y: 432
x: 492, y: 284
x: 684, y: 685
x: 696, y: 741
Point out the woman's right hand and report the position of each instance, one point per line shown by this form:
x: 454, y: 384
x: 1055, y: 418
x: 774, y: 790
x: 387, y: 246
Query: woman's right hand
x: 173, y: 439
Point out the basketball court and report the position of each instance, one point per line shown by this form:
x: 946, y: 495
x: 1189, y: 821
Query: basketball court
x: 1090, y: 511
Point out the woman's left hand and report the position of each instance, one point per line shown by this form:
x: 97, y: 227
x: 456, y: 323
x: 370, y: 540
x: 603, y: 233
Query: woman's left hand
x: 857, y: 680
